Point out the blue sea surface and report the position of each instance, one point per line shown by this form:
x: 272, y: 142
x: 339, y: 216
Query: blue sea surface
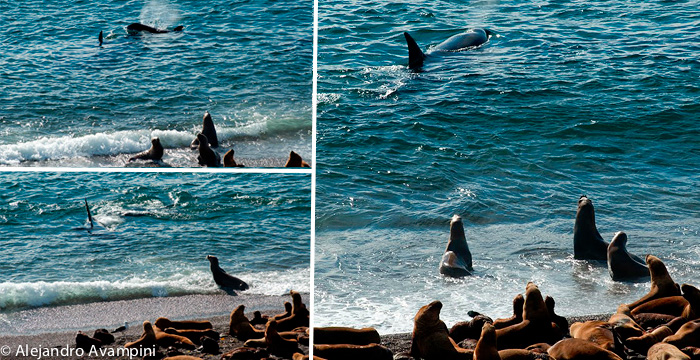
x: 567, y: 98
x: 65, y: 101
x: 151, y: 235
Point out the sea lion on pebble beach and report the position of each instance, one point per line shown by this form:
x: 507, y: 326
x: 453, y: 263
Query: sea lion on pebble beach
x: 687, y: 335
x: 229, y: 161
x: 662, y: 285
x: 299, y: 317
x: 147, y: 339
x: 599, y: 333
x: 274, y: 342
x: 430, y: 339
x: 222, y: 278
x: 578, y: 349
x: 240, y: 327
x: 457, y: 260
x: 345, y: 335
x: 621, y: 264
x: 164, y: 323
x: 155, y: 153
x: 588, y: 244
x: 518, y: 303
x: 209, y: 131
x: 352, y: 352
x: 469, y: 329
x: 663, y: 351
x: 295, y: 160
x: 641, y: 344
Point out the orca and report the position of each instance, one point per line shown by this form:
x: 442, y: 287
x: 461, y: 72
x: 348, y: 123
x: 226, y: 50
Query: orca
x: 138, y: 27
x: 468, y: 39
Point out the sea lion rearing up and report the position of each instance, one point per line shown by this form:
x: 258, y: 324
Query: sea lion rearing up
x: 662, y: 285
x: 207, y: 156
x: 621, y: 264
x: 588, y: 244
x: 295, y: 160
x: 229, y: 161
x: 457, y: 260
x: 209, y: 131
x: 430, y: 339
x: 155, y: 153
x: 223, y: 279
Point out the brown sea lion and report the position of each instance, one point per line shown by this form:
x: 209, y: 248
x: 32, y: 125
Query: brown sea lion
x: 287, y: 312
x: 536, y: 326
x: 295, y: 160
x: 523, y: 354
x: 621, y: 264
x: 486, y: 348
x: 209, y: 131
x: 259, y: 318
x: 457, y: 260
x: 299, y: 317
x: 222, y: 278
x: 597, y: 332
x: 687, y: 335
x: 670, y: 305
x: 579, y: 349
x: 430, y: 339
x: 229, y: 161
x: 155, y: 153
x: 300, y: 356
x: 518, y: 302
x: 353, y: 352
x: 147, y: 339
x: 469, y: 329
x: 275, y: 344
x: 240, y: 327
x: 164, y: 323
x: 663, y: 351
x: 194, y: 335
x: 642, y: 343
x: 246, y: 353
x: 588, y: 244
x: 165, y: 340
x: 560, y: 321
x: 662, y: 285
x: 692, y: 351
x: 207, y: 157
x: 624, y: 325
x: 345, y: 335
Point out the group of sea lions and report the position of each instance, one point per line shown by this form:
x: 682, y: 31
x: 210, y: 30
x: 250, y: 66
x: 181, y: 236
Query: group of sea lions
x: 588, y: 245
x: 204, y: 143
x: 281, y: 336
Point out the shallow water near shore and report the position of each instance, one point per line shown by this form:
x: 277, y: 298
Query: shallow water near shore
x: 151, y: 237
x: 66, y: 101
x: 568, y: 99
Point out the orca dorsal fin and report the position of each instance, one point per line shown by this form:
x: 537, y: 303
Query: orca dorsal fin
x: 415, y: 54
x: 89, y: 216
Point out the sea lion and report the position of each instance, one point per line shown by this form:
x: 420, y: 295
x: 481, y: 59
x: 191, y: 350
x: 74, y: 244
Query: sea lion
x: 624, y: 325
x: 85, y: 342
x: 599, y: 333
x: 588, y: 244
x: 470, y: 38
x: 155, y: 153
x: 240, y: 327
x: 663, y: 351
x: 621, y: 264
x: 486, y: 348
x: 207, y: 157
x: 642, y: 343
x: 194, y: 335
x: 517, y: 318
x: 352, y: 352
x: 137, y: 27
x: 275, y: 343
x: 165, y: 340
x: 345, y: 335
x: 523, y: 354
x: 560, y: 321
x: 104, y: 336
x: 670, y: 305
x: 209, y: 131
x: 457, y: 260
x: 223, y: 279
x: 147, y: 339
x: 246, y: 353
x: 430, y: 339
x: 578, y: 349
x: 469, y: 329
x: 299, y: 317
x: 260, y: 319
x: 287, y: 312
x: 687, y: 335
x: 229, y: 161
x: 295, y: 160
x: 164, y: 323
x: 662, y: 285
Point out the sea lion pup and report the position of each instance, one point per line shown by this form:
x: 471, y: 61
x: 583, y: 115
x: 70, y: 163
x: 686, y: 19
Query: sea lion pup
x: 275, y: 343
x: 287, y: 312
x: 578, y: 349
x: 85, y: 342
x: 457, y: 260
x: 147, y: 339
x: 624, y: 325
x: 209, y: 131
x: 687, y: 335
x: 137, y: 27
x: 229, y: 161
x: 194, y: 335
x: 300, y: 314
x: 346, y: 335
x: 662, y: 285
x: 240, y: 327
x: 560, y: 321
x: 536, y: 326
x: 295, y: 160
x: 223, y: 279
x: 353, y: 352
x: 469, y: 329
x: 517, y: 318
x: 430, y: 339
x: 663, y: 351
x: 588, y: 244
x: 164, y: 323
x: 155, y: 153
x: 621, y: 264
x: 599, y: 333
x: 104, y: 336
x: 207, y: 157
x: 642, y: 343
x: 260, y: 319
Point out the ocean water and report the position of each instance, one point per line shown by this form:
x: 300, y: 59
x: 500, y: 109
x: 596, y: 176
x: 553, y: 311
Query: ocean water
x: 598, y: 98
x: 65, y: 101
x: 152, y: 236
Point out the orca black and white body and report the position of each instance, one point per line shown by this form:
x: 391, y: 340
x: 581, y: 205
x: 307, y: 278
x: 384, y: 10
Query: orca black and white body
x: 138, y: 27
x: 468, y: 39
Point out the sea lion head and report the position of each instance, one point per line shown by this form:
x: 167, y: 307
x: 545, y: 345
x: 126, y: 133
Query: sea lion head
x: 203, y: 141
x: 458, y: 240
x: 535, y: 308
x: 619, y: 240
x: 488, y: 334
x: 270, y: 328
x: 585, y: 215
x: 287, y: 306
x: 148, y: 328
x: 296, y: 299
x: 691, y: 293
x: 657, y: 269
x: 518, y: 303
x: 155, y: 141
x: 429, y: 315
x: 213, y: 259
